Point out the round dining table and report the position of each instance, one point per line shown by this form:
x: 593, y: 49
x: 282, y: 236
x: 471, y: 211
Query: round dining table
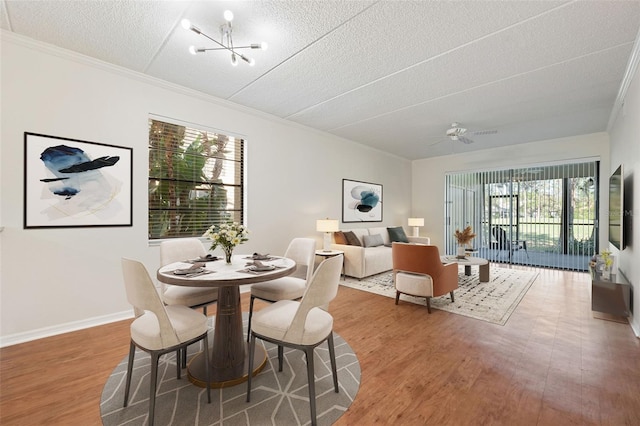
x: 229, y: 354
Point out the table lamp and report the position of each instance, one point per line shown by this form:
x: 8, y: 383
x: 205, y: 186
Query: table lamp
x: 416, y: 222
x: 327, y: 226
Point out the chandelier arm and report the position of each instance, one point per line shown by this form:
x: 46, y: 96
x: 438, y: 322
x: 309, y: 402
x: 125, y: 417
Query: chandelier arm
x: 223, y: 47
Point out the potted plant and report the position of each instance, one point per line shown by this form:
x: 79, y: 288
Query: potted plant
x: 464, y: 238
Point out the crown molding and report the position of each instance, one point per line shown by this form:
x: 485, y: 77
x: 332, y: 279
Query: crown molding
x: 632, y: 67
x: 51, y: 49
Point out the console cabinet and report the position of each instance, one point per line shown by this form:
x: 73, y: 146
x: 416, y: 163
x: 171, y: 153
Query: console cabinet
x: 612, y: 295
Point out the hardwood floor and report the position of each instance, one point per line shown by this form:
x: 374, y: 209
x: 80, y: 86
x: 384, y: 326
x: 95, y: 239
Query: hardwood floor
x: 551, y: 364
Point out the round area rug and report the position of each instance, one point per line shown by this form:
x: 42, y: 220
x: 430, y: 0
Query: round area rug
x: 277, y: 398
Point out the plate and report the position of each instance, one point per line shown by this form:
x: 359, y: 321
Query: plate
x: 188, y: 271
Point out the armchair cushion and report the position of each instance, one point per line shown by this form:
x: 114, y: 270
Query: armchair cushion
x: 415, y: 284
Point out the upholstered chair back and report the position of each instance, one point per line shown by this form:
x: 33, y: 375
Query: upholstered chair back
x: 302, y: 251
x: 421, y: 259
x: 142, y: 295
x: 179, y: 249
x: 321, y: 289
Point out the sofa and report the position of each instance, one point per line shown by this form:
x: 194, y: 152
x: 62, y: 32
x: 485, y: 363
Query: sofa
x: 373, y: 255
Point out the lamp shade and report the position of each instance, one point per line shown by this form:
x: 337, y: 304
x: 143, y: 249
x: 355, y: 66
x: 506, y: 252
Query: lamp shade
x: 416, y: 221
x: 327, y: 225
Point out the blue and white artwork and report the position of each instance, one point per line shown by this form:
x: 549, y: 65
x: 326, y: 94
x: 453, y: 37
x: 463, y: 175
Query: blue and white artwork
x: 361, y: 201
x: 76, y: 183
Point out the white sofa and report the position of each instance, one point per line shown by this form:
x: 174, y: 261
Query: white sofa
x: 360, y: 261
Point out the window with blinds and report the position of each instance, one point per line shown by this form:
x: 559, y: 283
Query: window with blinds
x: 541, y: 216
x: 195, y: 179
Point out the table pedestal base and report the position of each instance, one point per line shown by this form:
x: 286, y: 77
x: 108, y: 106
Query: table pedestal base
x: 225, y: 377
x: 484, y: 272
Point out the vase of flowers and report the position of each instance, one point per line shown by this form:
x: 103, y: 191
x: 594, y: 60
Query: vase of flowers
x: 463, y: 238
x: 607, y: 266
x: 227, y: 236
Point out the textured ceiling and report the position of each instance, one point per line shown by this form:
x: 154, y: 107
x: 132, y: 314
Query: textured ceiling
x: 393, y: 75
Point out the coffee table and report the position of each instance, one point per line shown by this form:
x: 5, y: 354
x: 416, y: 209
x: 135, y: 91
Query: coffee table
x: 468, y: 262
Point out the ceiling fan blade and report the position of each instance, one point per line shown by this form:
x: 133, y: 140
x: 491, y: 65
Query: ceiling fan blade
x: 465, y: 140
x: 484, y: 132
x: 437, y: 142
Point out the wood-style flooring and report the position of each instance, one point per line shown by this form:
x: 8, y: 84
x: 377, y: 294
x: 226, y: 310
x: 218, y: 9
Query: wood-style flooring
x: 553, y: 363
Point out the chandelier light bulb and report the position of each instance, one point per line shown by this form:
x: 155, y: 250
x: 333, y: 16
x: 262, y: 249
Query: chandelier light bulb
x: 264, y: 45
x: 252, y: 62
x: 192, y: 50
x: 228, y: 15
x: 234, y: 60
x: 186, y: 24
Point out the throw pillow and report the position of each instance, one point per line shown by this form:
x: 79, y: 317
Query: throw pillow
x: 339, y: 238
x: 373, y: 240
x: 352, y: 240
x: 397, y: 235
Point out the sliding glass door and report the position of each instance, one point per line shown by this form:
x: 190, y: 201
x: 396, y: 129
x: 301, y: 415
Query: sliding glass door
x: 543, y: 216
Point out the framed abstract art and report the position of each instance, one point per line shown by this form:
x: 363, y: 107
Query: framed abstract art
x: 361, y: 201
x: 74, y: 183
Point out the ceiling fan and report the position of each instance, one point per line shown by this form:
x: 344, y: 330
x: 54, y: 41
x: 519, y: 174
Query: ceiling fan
x: 457, y: 133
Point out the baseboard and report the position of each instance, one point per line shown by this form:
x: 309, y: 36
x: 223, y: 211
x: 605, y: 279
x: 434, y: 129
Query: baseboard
x: 14, y: 339
x: 635, y: 328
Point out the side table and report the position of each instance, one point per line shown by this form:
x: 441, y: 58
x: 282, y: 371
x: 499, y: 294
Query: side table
x: 332, y: 253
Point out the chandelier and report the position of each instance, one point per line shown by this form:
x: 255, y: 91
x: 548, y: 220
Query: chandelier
x: 226, y: 40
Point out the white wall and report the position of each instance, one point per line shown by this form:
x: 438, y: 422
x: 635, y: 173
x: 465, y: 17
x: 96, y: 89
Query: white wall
x: 54, y: 280
x: 625, y: 150
x: 429, y: 174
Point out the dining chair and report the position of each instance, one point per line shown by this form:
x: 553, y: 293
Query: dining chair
x: 418, y: 271
x: 291, y: 287
x: 303, y: 324
x: 158, y: 329
x: 180, y: 249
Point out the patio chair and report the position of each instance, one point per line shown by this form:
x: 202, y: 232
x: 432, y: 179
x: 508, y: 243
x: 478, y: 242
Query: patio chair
x: 503, y: 243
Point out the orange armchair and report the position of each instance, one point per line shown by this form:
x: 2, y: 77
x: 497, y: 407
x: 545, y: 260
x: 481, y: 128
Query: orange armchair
x: 418, y: 271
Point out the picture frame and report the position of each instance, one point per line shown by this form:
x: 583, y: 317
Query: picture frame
x: 75, y: 183
x: 361, y: 201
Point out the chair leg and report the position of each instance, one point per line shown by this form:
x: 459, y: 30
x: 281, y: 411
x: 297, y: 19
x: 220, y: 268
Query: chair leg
x: 179, y: 359
x: 153, y: 379
x: 252, y: 347
x: 250, y: 315
x: 184, y: 358
x: 132, y: 352
x: 397, y: 296
x: 451, y: 294
x: 204, y: 310
x: 207, y: 367
x: 312, y: 383
x: 428, y: 304
x: 332, y: 356
x: 280, y: 356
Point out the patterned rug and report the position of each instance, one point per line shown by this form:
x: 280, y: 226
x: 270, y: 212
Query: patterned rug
x: 277, y: 398
x: 493, y: 301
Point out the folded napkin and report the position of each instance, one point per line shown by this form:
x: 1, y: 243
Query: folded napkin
x: 207, y: 258
x: 195, y: 268
x: 258, y: 256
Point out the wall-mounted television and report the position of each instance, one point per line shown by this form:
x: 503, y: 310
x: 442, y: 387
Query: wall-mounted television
x: 616, y: 209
